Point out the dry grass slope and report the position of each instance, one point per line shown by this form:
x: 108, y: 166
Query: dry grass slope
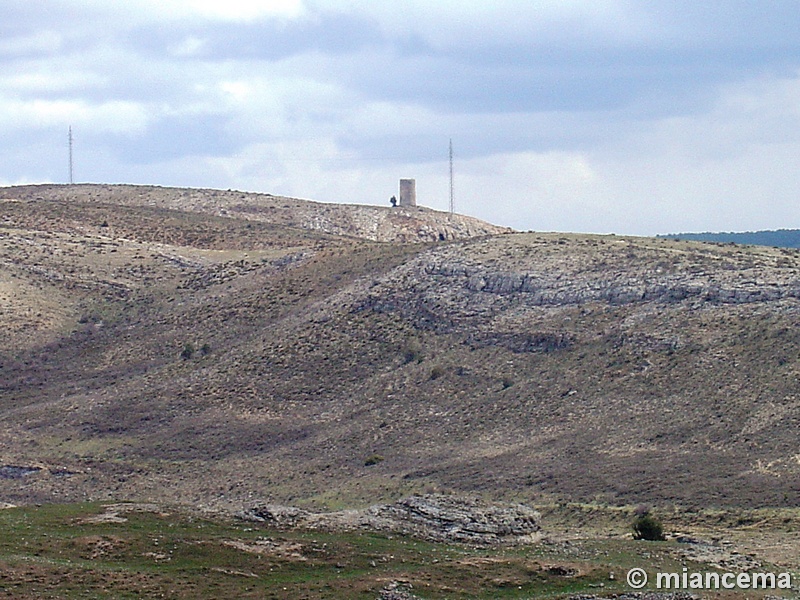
x: 189, y: 352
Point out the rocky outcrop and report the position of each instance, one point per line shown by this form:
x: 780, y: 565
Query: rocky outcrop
x: 395, y: 591
x: 457, y: 519
x: 16, y: 472
x: 479, y: 284
x: 287, y: 517
x: 543, y: 289
x: 433, y: 517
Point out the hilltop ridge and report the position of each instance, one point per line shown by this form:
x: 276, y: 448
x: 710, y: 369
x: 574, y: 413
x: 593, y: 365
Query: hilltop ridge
x: 375, y: 223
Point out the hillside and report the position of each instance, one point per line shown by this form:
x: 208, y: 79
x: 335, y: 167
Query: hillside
x: 162, y: 350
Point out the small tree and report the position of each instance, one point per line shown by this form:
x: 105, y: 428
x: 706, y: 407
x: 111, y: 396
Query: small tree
x: 412, y: 352
x: 188, y: 351
x: 645, y: 527
x: 436, y: 372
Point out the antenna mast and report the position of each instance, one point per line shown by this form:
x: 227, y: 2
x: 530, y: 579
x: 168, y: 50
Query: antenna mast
x: 71, y: 178
x: 452, y: 196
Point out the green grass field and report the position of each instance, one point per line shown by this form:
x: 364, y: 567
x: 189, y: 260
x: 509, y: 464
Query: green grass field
x: 134, y: 551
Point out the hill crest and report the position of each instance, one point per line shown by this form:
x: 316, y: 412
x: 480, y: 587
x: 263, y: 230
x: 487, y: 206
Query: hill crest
x: 375, y: 223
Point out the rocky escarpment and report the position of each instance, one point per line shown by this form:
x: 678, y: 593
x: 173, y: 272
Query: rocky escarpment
x: 541, y: 289
x: 434, y: 517
x: 376, y: 223
x: 480, y: 281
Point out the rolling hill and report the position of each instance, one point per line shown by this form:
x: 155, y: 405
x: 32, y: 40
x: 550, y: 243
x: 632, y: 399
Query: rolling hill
x: 222, y: 349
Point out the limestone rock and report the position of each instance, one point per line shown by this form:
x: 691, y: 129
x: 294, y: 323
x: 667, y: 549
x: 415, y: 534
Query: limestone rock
x: 434, y: 517
x: 459, y: 519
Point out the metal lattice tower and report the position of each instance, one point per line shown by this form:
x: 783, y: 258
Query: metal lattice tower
x: 452, y: 195
x: 71, y: 177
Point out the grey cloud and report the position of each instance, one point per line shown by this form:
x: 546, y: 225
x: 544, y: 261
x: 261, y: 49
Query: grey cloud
x: 733, y: 23
x: 171, y: 137
x: 645, y: 81
x: 265, y: 39
x: 690, y: 49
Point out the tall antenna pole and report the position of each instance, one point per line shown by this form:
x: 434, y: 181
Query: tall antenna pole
x: 71, y: 178
x: 452, y: 196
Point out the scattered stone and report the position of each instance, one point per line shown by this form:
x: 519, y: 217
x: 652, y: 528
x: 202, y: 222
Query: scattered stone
x: 16, y: 472
x: 279, y: 516
x: 562, y: 571
x: 394, y: 591
x: 720, y: 555
x: 113, y: 512
x: 285, y: 549
x: 235, y: 573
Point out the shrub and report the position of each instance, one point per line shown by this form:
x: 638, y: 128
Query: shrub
x: 645, y: 527
x: 373, y: 460
x: 437, y: 372
x: 188, y: 351
x: 412, y: 352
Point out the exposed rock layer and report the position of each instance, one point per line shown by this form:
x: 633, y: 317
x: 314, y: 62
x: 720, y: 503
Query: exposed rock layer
x: 434, y: 517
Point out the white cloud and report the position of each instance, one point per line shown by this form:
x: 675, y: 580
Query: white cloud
x: 22, y: 181
x: 310, y: 168
x: 730, y: 168
x: 45, y: 80
x: 105, y: 117
x: 463, y: 23
x: 227, y: 10
x: 40, y: 42
x: 189, y: 46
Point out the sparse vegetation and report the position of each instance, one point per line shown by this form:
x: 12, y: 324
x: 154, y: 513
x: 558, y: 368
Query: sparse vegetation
x: 373, y: 459
x: 413, y: 352
x: 110, y: 551
x: 646, y: 527
x: 188, y: 351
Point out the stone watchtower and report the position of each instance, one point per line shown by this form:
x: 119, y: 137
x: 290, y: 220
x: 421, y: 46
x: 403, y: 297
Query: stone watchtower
x: 408, y: 192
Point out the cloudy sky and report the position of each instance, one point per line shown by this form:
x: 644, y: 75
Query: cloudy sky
x: 626, y: 116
